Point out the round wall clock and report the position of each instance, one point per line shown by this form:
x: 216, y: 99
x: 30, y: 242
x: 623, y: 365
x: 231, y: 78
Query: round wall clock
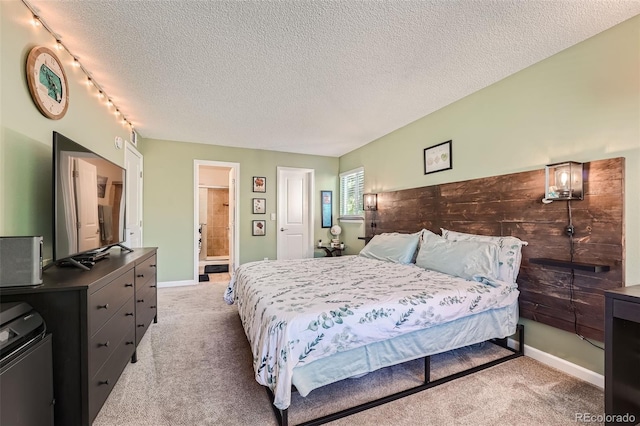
x: 47, y: 83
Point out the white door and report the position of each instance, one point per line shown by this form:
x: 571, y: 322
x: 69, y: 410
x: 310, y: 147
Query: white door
x: 86, y: 182
x: 133, y: 222
x: 232, y: 219
x: 202, y: 223
x: 295, y: 213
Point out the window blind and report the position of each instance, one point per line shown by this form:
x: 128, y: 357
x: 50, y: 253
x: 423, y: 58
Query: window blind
x: 351, y: 191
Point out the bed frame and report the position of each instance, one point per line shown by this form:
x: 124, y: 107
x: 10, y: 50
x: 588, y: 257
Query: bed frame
x: 283, y: 417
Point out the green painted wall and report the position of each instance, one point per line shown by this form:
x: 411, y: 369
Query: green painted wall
x: 169, y: 201
x: 26, y: 135
x: 582, y: 104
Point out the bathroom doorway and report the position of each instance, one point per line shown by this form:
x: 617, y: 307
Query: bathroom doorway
x: 215, y: 220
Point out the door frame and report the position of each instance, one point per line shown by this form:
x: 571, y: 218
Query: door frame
x: 235, y: 256
x: 311, y: 176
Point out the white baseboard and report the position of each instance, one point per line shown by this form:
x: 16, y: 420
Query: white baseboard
x: 165, y: 284
x: 562, y: 365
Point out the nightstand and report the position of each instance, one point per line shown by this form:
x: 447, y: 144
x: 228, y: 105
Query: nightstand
x: 622, y: 355
x: 331, y: 251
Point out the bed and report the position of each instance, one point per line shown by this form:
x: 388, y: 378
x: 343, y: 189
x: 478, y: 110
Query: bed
x: 311, y: 322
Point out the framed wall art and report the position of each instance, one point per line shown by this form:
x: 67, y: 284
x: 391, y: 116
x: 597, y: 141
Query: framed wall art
x: 326, y: 203
x: 259, y: 205
x: 258, y: 228
x: 259, y: 184
x: 438, y: 158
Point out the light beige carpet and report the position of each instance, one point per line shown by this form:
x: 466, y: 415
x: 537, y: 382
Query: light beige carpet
x: 194, y: 368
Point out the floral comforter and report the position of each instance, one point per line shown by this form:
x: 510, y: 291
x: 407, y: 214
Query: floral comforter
x: 297, y: 311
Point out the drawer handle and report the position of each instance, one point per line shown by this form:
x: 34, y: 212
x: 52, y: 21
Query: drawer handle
x: 152, y: 286
x: 128, y: 314
x: 140, y: 325
x: 152, y: 307
x: 128, y: 285
x: 140, y: 300
x: 128, y: 343
x: 105, y: 306
x: 103, y: 382
x: 105, y: 344
x: 140, y: 275
x: 153, y: 266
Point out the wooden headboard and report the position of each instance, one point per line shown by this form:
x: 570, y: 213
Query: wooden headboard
x: 511, y: 205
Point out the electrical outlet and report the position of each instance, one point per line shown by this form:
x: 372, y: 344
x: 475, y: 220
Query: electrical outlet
x: 266, y: 258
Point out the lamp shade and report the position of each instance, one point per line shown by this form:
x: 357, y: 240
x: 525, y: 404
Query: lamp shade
x: 370, y: 201
x: 564, y: 181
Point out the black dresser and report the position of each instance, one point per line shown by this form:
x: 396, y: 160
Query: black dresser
x: 622, y: 356
x: 96, y: 319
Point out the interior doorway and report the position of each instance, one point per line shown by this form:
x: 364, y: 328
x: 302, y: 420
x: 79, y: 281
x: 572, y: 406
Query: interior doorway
x: 215, y: 217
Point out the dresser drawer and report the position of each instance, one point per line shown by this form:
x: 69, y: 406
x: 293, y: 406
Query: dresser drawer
x: 626, y: 310
x: 151, y: 284
x: 108, y: 300
x: 146, y: 309
x: 107, y: 339
x: 102, y: 383
x: 146, y: 272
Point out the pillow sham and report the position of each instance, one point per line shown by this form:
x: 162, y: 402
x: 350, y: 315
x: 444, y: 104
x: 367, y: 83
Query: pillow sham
x: 392, y: 247
x: 471, y: 260
x: 509, y: 256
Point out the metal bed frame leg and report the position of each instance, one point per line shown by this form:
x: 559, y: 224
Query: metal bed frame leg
x: 427, y: 369
x: 282, y: 416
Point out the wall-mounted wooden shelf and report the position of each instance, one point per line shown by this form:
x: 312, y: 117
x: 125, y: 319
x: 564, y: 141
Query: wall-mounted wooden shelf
x: 366, y: 239
x: 569, y: 265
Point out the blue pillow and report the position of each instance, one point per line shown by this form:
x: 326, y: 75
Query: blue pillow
x: 509, y: 253
x: 394, y: 247
x: 471, y: 260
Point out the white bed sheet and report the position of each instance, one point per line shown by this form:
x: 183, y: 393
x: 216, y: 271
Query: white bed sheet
x: 295, y: 312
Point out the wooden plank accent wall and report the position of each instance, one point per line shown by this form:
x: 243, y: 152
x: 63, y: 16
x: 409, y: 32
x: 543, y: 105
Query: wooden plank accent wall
x: 511, y: 205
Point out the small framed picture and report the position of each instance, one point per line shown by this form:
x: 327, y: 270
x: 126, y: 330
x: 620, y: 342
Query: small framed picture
x: 259, y: 184
x: 259, y: 206
x: 259, y: 227
x: 326, y: 201
x: 438, y: 158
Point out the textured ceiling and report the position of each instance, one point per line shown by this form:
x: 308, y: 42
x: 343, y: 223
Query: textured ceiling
x: 317, y: 77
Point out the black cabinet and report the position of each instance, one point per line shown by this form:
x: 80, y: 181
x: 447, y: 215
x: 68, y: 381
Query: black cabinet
x: 26, y: 387
x: 96, y: 322
x: 622, y: 355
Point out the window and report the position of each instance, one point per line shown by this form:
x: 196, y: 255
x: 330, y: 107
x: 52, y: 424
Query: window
x: 351, y: 190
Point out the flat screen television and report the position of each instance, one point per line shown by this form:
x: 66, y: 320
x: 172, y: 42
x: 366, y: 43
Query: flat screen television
x: 88, y: 203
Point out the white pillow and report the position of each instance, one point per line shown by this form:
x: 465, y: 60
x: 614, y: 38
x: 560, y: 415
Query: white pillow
x: 471, y: 260
x: 395, y: 247
x: 509, y: 256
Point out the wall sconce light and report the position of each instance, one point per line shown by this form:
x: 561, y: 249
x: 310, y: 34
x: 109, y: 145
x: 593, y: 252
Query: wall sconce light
x: 563, y: 181
x: 370, y: 202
